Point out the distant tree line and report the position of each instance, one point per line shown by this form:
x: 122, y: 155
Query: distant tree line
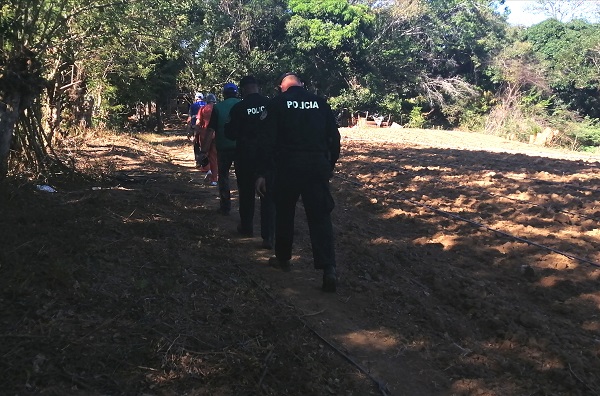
x: 69, y: 64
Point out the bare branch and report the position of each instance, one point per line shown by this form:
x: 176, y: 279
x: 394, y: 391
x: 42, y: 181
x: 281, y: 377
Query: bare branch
x: 438, y: 89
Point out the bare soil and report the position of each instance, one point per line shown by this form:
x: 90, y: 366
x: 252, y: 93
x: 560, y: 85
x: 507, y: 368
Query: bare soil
x: 469, y: 265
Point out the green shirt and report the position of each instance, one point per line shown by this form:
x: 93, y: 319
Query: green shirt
x: 218, y: 119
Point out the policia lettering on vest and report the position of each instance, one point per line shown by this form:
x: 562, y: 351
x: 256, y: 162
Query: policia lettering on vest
x: 300, y: 144
x: 293, y: 104
x: 255, y: 110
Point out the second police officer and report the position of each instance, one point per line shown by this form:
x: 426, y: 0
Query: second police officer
x: 245, y: 126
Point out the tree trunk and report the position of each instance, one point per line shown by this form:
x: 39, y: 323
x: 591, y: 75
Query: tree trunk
x: 160, y: 125
x: 9, y: 114
x: 55, y: 110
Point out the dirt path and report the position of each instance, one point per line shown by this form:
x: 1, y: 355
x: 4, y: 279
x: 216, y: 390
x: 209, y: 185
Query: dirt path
x: 522, y: 191
x: 468, y: 266
x: 343, y: 321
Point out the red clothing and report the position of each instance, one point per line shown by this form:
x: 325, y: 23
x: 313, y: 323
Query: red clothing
x: 202, y: 120
x: 203, y: 116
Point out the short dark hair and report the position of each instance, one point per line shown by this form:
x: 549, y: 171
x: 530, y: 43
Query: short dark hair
x: 248, y: 80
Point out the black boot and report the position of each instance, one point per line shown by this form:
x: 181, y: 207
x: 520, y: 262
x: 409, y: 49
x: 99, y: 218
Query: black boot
x: 244, y: 232
x: 283, y: 265
x: 329, y: 280
x: 267, y: 244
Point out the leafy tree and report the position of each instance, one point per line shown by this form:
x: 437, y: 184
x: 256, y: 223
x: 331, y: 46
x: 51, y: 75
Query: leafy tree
x: 37, y: 42
x: 53, y: 52
x: 138, y: 56
x: 327, y: 41
x: 228, y: 39
x: 434, y: 50
x: 569, y: 53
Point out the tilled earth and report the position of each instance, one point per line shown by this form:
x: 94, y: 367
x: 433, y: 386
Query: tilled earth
x: 469, y: 265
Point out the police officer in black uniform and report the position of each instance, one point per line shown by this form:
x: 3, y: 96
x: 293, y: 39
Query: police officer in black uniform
x: 301, y: 144
x: 244, y: 126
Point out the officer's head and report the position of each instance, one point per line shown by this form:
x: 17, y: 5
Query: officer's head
x: 289, y: 80
x: 230, y: 90
x: 248, y: 85
x: 198, y: 96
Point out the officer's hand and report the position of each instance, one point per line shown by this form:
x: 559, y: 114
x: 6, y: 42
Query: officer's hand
x: 261, y: 186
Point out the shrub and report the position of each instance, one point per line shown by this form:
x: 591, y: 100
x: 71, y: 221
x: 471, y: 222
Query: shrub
x: 416, y: 119
x: 587, y: 135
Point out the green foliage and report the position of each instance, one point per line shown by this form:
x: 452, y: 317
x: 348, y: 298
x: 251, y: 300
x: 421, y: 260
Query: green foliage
x: 385, y: 57
x: 327, y: 24
x: 470, y: 114
x: 131, y: 54
x: 326, y: 42
x: 364, y: 100
x: 391, y: 105
x: 416, y: 119
x: 570, y: 54
x: 586, y: 134
x: 354, y: 99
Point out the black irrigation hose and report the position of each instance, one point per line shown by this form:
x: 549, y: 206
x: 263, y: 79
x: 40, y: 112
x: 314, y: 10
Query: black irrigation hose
x: 476, y: 224
x: 498, y: 195
x: 381, y: 386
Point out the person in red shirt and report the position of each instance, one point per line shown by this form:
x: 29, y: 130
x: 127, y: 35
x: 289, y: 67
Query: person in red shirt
x: 207, y: 144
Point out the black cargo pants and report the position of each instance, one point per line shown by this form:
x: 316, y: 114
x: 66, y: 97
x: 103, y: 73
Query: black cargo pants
x: 313, y: 187
x: 245, y: 174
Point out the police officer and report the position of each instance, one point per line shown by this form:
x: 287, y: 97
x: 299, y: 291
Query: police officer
x: 301, y: 144
x: 244, y: 127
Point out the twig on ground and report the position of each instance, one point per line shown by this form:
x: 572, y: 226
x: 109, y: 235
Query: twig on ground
x: 580, y: 380
x: 313, y: 313
x: 264, y: 373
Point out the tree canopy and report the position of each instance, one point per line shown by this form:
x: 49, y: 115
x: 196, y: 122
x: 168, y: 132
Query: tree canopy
x: 69, y: 63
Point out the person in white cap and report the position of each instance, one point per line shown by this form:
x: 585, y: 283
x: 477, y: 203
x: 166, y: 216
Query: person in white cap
x: 191, y: 122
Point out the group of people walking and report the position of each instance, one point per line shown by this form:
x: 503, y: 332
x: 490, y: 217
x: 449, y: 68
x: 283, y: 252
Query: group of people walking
x: 282, y: 149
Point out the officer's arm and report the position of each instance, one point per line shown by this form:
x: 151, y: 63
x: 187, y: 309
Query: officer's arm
x: 266, y: 140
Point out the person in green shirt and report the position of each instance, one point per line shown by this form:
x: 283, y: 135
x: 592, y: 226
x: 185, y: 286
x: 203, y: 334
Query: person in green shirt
x: 225, y: 146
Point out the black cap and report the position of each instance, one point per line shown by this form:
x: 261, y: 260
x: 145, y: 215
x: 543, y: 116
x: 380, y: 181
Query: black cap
x: 247, y: 80
x: 284, y: 75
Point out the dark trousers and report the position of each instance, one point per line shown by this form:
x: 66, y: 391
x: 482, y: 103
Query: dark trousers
x: 246, y: 179
x: 318, y: 204
x: 197, y: 152
x: 225, y: 159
